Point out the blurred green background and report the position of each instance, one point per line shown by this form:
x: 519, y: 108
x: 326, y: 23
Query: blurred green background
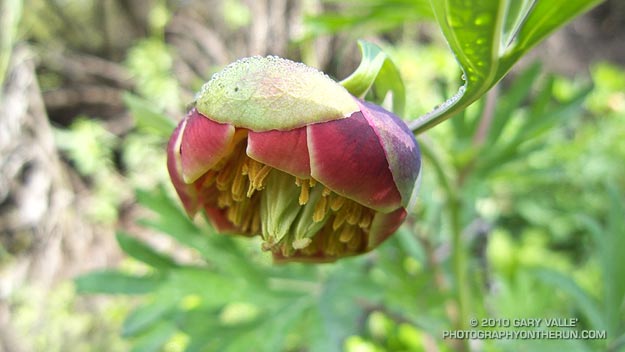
x: 521, y: 211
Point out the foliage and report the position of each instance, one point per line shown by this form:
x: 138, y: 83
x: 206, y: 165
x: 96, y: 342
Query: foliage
x: 520, y: 213
x: 479, y: 245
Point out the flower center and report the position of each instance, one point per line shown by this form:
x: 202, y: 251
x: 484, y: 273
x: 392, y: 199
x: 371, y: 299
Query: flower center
x: 295, y: 216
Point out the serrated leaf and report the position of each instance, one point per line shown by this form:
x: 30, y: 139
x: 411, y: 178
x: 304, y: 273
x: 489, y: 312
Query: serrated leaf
x: 376, y: 70
x: 488, y: 37
x: 140, y: 251
x: 116, y: 282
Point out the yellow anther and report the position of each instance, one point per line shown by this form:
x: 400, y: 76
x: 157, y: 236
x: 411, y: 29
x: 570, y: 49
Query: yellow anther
x: 336, y: 202
x: 339, y: 219
x: 238, y: 187
x: 259, y: 179
x: 365, y: 219
x: 355, y: 242
x: 326, y: 191
x: 224, y: 199
x: 321, y: 208
x: 347, y: 233
x: 353, y: 215
x: 304, y: 192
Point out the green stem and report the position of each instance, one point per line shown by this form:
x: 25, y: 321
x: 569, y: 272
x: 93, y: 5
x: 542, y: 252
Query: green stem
x: 459, y: 264
x: 459, y: 254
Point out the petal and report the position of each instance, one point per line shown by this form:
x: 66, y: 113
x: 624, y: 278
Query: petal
x: 346, y: 156
x: 185, y: 191
x: 271, y: 93
x: 284, y: 150
x: 383, y: 226
x: 400, y: 147
x: 204, y: 143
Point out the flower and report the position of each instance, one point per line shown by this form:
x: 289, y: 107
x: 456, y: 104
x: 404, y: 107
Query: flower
x: 278, y: 149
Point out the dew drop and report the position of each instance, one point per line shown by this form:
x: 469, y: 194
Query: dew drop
x: 482, y: 20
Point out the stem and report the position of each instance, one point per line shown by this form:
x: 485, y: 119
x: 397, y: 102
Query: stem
x: 459, y: 265
x: 459, y: 254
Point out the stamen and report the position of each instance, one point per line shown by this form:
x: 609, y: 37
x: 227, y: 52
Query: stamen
x: 250, y: 190
x: 238, y: 186
x: 259, y: 179
x: 235, y: 214
x: 225, y: 176
x: 304, y: 192
x: 326, y: 192
x: 353, y: 215
x: 339, y: 219
x: 355, y: 242
x: 224, y: 200
x: 321, y: 208
x: 245, y: 166
x: 336, y: 202
x: 347, y: 233
x: 365, y: 219
x: 312, y: 182
x: 333, y: 246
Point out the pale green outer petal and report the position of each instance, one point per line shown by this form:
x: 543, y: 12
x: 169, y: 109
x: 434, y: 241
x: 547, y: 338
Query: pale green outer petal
x: 266, y: 93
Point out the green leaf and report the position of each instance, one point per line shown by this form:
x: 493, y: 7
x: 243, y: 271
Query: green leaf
x: 488, y: 37
x: 115, y: 282
x: 142, y: 252
x: 153, y: 340
x: 376, y: 70
x: 147, y: 315
x: 148, y: 117
x: 587, y: 305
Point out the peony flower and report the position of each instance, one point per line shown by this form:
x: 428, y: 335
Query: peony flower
x: 278, y: 149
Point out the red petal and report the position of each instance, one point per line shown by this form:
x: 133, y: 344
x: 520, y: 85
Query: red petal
x: 384, y: 225
x: 185, y: 191
x: 346, y: 156
x: 283, y: 150
x: 204, y: 143
x: 400, y: 147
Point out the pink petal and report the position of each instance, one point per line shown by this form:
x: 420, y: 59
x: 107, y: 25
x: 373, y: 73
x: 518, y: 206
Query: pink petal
x: 185, y: 191
x: 384, y: 225
x: 283, y: 150
x: 400, y: 147
x: 204, y: 143
x: 346, y: 156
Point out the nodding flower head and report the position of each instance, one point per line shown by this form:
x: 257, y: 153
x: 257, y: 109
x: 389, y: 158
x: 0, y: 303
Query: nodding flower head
x: 278, y: 149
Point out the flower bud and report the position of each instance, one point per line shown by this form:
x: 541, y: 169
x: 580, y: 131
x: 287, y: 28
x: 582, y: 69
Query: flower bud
x: 278, y: 149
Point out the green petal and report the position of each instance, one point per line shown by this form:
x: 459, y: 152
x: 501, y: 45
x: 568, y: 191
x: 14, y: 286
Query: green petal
x: 265, y: 93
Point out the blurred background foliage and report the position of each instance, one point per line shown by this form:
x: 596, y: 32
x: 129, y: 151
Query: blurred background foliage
x: 528, y: 182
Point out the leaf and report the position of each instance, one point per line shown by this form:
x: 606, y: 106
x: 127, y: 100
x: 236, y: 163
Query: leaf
x: 148, y: 117
x: 142, y: 252
x: 115, y: 282
x: 378, y: 70
x: 147, y: 315
x: 488, y: 37
x: 154, y: 339
x: 588, y: 306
